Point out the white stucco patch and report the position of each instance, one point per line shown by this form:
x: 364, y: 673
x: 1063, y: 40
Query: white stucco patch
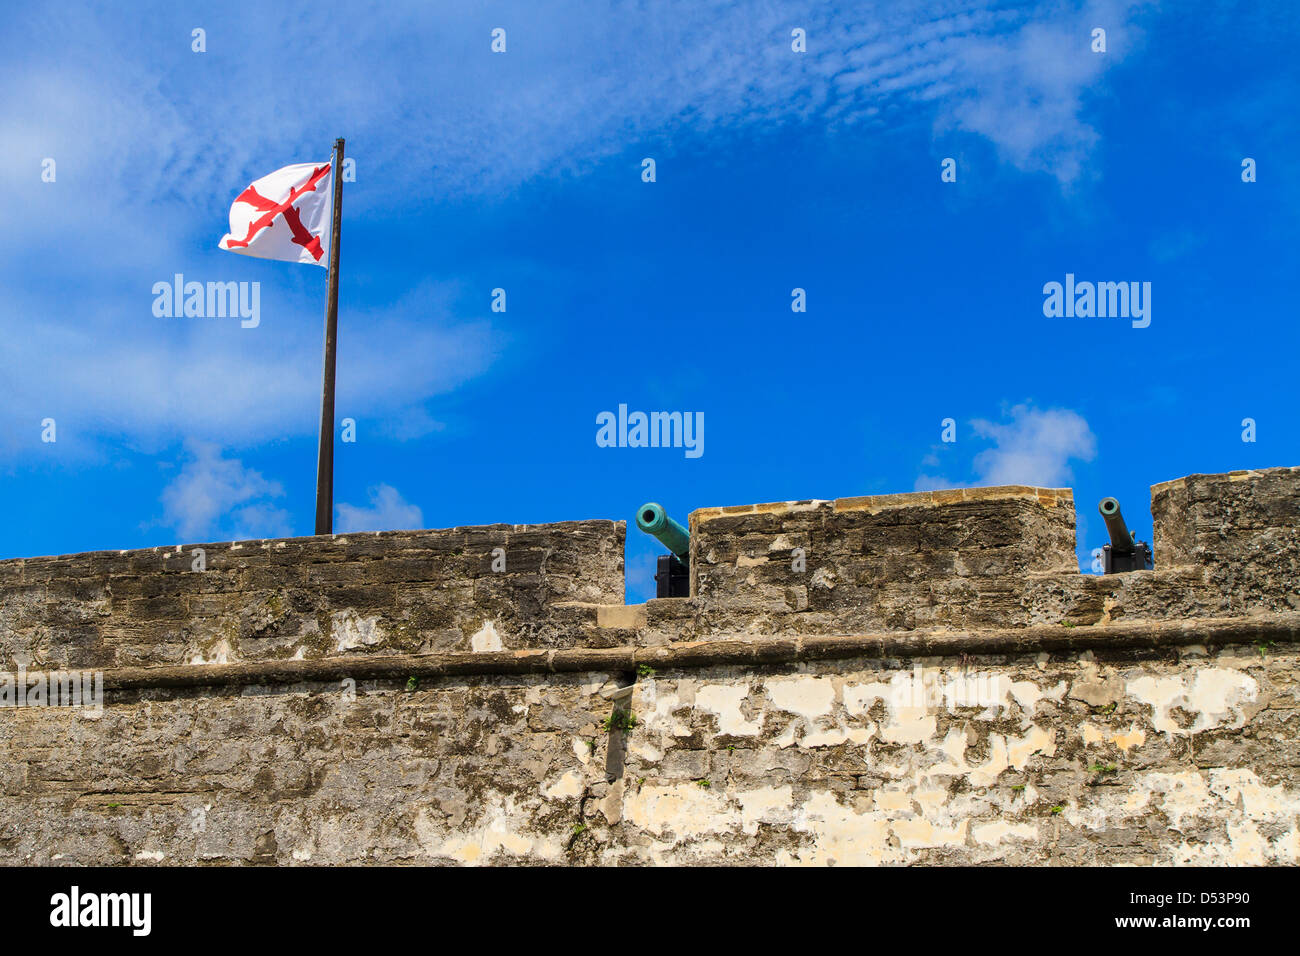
x: 1125, y: 740
x: 351, y: 630
x: 486, y: 638
x: 840, y: 835
x: 568, y: 786
x: 686, y: 809
x: 764, y: 805
x: 1027, y: 694
x: 809, y: 697
x: 999, y: 831
x: 1213, y: 694
x: 724, y: 700
x: 654, y: 706
x: 893, y: 799
x: 218, y: 653
x: 1241, y: 787
x: 907, y: 724
x: 858, y: 698
x: 813, y: 700
x: 497, y: 831
x: 1005, y: 752
x: 920, y: 834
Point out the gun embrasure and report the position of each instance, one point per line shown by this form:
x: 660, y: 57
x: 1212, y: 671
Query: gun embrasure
x: 673, y: 575
x: 1125, y: 552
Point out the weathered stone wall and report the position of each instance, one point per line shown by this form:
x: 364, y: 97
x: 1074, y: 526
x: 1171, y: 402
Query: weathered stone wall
x: 1242, y: 529
x: 1188, y: 756
x: 886, y: 561
x: 992, y: 557
x: 393, y: 591
x: 945, y: 689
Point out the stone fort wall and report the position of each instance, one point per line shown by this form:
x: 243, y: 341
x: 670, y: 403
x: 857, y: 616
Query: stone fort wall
x: 921, y: 678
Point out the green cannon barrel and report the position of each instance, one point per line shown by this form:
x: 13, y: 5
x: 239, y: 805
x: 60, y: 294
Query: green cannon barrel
x: 1121, y: 541
x: 653, y: 520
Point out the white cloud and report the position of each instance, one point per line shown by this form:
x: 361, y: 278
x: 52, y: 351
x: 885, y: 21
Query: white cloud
x: 151, y: 381
x: 582, y: 81
x: 1034, y: 448
x: 1030, y: 447
x: 388, y: 511
x: 1026, y: 96
x: 215, y: 498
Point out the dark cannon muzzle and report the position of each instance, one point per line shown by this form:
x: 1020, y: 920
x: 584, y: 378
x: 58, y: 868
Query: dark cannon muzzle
x: 653, y: 520
x: 1121, y: 539
x: 1125, y: 552
x: 672, y: 578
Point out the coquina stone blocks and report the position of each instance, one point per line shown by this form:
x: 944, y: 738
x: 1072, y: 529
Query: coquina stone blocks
x: 885, y: 680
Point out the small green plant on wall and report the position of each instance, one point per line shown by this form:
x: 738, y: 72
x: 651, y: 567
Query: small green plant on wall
x: 620, y: 720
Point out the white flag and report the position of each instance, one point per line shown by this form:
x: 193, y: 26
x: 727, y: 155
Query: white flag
x: 285, y: 215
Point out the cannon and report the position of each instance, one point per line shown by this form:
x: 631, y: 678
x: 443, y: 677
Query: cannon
x: 1125, y: 552
x: 672, y: 577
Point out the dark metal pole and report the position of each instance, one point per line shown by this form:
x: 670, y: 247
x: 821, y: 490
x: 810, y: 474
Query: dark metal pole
x: 325, y: 450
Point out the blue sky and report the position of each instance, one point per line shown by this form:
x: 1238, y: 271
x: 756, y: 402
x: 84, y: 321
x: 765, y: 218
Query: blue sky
x: 522, y: 170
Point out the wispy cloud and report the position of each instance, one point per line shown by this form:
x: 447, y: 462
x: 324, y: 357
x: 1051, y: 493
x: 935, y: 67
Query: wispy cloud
x: 216, y: 498
x: 1030, y: 446
x: 1034, y: 448
x: 387, y: 511
x: 153, y: 380
x: 580, y: 82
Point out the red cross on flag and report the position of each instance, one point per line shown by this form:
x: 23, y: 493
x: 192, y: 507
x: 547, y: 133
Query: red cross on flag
x: 284, y: 215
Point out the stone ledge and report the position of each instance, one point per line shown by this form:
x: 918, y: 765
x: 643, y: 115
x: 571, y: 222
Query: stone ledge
x: 771, y: 507
x: 322, y: 541
x: 1048, y: 497
x: 1243, y: 475
x: 1276, y: 628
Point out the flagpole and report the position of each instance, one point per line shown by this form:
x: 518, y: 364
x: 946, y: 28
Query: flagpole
x: 325, y: 450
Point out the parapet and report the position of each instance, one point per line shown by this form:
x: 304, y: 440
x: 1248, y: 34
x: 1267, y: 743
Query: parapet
x: 919, y: 678
x: 391, y: 592
x: 885, y: 561
x: 993, y: 557
x: 960, y: 560
x: 1241, y: 528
